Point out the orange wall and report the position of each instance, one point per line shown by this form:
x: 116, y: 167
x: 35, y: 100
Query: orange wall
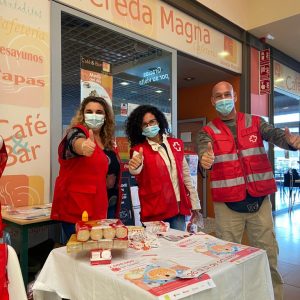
x: 195, y: 102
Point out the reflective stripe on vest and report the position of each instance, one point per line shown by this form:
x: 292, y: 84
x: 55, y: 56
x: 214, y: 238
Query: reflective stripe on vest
x: 214, y: 128
x: 260, y: 176
x: 227, y: 182
x: 225, y: 158
x: 253, y: 151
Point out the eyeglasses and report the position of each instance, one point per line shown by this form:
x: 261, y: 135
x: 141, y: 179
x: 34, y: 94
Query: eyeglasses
x: 219, y: 96
x: 150, y: 123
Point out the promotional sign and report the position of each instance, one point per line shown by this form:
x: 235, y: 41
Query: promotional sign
x: 165, y: 24
x: 286, y: 79
x: 95, y: 79
x: 264, y: 72
x: 25, y: 101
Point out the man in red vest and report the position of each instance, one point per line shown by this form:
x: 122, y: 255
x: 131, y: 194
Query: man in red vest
x: 3, y: 248
x: 241, y: 176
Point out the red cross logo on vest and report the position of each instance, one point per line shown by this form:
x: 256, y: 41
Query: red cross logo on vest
x: 176, y: 146
x: 253, y: 138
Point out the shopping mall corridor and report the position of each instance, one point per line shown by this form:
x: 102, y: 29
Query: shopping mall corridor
x: 287, y: 227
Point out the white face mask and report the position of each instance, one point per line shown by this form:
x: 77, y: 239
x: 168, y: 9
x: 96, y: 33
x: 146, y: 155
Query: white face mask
x: 94, y: 121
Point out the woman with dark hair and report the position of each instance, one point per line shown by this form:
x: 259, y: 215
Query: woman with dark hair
x: 165, y: 187
x: 89, y: 167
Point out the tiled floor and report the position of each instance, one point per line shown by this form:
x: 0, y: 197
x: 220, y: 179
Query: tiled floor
x: 287, y: 227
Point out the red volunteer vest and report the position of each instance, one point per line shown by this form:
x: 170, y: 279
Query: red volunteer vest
x: 3, y: 158
x: 3, y: 273
x: 239, y: 165
x: 80, y: 186
x: 156, y: 192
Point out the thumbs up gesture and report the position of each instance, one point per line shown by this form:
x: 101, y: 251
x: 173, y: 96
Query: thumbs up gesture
x: 292, y: 139
x: 208, y: 157
x: 88, y: 146
x: 136, y: 160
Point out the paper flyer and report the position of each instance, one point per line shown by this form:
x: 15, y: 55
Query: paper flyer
x: 218, y: 249
x: 161, y: 278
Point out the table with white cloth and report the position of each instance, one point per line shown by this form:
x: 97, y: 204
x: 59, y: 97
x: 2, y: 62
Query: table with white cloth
x: 71, y: 276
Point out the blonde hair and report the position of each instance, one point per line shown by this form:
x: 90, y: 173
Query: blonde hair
x: 108, y: 128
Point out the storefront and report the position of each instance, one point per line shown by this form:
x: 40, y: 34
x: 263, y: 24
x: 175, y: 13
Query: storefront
x: 142, y: 41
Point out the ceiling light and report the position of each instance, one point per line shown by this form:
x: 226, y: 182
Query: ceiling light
x: 124, y: 83
x: 223, y: 53
x: 286, y: 107
x: 189, y: 78
x: 158, y: 91
x: 280, y: 79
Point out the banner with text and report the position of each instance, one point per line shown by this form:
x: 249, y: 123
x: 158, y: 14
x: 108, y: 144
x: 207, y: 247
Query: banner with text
x: 25, y: 101
x: 163, y: 23
x: 95, y: 79
x: 264, y: 72
x: 286, y: 79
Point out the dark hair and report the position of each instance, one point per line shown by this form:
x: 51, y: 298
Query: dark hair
x: 133, y: 126
x: 108, y: 128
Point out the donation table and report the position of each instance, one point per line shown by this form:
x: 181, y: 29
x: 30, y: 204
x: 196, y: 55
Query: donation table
x: 24, y: 224
x: 245, y: 275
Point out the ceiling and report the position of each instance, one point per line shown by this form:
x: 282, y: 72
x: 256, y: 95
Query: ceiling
x: 286, y: 33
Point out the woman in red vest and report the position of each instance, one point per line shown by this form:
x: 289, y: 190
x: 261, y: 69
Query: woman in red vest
x: 3, y: 160
x: 165, y: 187
x: 85, y: 155
x: 3, y: 247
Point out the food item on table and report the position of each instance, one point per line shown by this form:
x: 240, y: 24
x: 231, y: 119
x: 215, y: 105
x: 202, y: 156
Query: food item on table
x: 89, y: 245
x: 109, y: 232
x: 105, y: 244
x: 82, y: 232
x: 73, y: 245
x: 100, y: 257
x: 121, y: 232
x: 120, y: 244
x: 96, y: 233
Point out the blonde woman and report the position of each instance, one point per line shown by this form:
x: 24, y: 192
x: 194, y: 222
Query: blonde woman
x: 86, y: 155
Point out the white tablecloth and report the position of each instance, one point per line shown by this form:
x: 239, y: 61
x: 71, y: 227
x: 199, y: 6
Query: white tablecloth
x: 72, y: 277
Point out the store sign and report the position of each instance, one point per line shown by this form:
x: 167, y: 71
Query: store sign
x: 154, y: 75
x: 25, y: 101
x: 286, y: 79
x: 165, y: 24
x: 264, y: 72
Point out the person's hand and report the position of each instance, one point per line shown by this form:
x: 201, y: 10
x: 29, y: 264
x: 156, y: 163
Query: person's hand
x: 136, y: 160
x: 208, y: 157
x: 88, y: 146
x: 292, y: 139
x: 1, y: 142
x: 197, y: 218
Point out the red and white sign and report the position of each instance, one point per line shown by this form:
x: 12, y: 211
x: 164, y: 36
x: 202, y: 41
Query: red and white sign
x: 265, y: 86
x: 264, y: 56
x: 264, y: 72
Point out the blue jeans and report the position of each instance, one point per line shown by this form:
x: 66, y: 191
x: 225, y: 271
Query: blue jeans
x: 177, y: 222
x: 67, y: 230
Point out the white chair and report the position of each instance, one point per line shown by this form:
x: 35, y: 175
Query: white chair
x: 16, y: 287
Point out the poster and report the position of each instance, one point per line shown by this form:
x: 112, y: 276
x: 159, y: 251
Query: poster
x: 161, y: 278
x: 95, y: 79
x: 25, y: 101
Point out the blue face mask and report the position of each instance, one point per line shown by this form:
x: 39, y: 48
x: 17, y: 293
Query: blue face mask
x: 225, y: 106
x: 151, y: 131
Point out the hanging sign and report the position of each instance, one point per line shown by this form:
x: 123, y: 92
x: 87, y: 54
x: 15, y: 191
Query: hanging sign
x: 264, y: 72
